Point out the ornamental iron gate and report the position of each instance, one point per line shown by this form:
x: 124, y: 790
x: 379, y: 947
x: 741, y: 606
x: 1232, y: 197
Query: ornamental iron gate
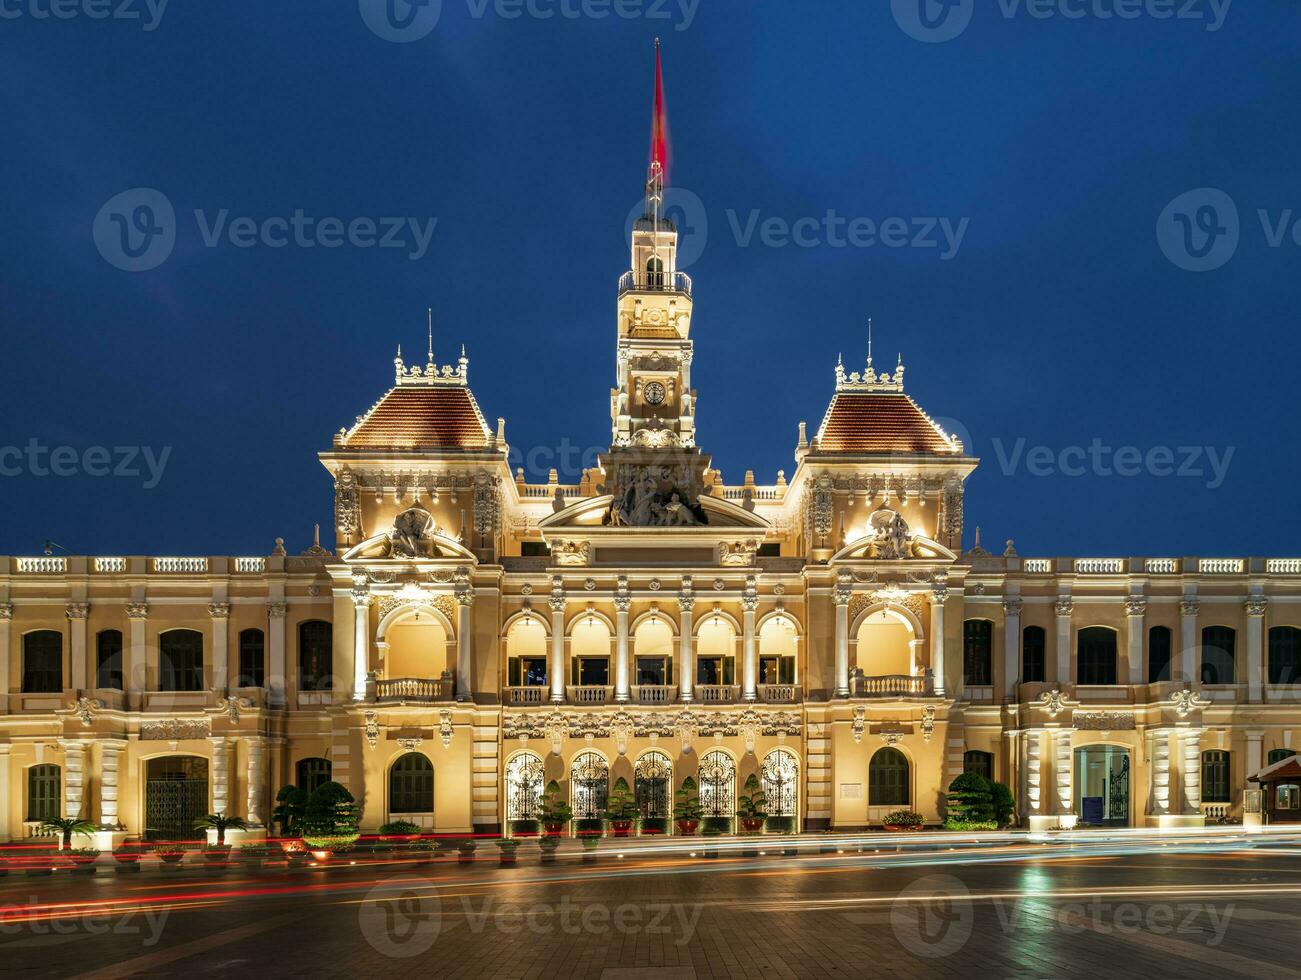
x: 176, y: 795
x: 717, y: 784
x: 524, y: 775
x: 590, y: 776
x: 780, y: 774
x: 653, y: 775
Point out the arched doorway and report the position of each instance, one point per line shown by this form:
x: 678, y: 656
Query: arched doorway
x: 889, y: 779
x: 524, y: 775
x: 411, y: 790
x: 1102, y: 774
x: 176, y: 795
x: 589, y: 779
x: 717, y: 784
x: 780, y: 775
x: 654, y: 779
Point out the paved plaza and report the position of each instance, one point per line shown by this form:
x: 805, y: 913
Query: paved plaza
x: 853, y: 907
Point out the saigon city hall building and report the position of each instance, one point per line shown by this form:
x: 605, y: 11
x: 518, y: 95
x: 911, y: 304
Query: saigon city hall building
x: 473, y: 636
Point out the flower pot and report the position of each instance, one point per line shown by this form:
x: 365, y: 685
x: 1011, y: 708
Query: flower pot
x: 83, y: 864
x: 752, y: 825
x: 687, y: 828
x: 621, y: 828
x: 555, y: 829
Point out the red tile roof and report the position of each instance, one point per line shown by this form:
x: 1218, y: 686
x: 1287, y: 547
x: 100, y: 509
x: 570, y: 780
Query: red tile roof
x: 421, y: 418
x: 880, y: 422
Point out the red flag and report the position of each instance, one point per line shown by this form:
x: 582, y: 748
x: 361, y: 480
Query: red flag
x: 660, y: 121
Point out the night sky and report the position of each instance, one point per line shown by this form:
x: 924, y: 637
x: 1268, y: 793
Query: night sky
x: 1076, y: 310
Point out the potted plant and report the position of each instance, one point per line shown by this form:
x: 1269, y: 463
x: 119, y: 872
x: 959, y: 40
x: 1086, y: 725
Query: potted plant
x: 465, y: 851
x: 750, y: 806
x: 525, y: 828
x: 548, y: 846
x: 555, y: 810
x: 220, y: 823
x: 903, y: 820
x: 654, y: 826
x: 170, y: 853
x: 83, y: 860
x: 127, y: 857
x: 252, y: 856
x: 686, y: 808
x: 621, y: 808
x: 589, y: 827
x: 65, y: 827
x: 589, y: 848
x: 398, y: 838
x: 509, y: 847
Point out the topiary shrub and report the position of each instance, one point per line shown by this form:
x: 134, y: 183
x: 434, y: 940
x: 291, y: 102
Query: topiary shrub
x: 399, y: 828
x: 970, y: 800
x: 330, y: 819
x: 589, y: 826
x: 1004, y: 805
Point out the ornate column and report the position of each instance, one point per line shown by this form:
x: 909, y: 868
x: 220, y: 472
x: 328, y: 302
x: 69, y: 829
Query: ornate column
x: 841, y: 598
x: 1255, y: 607
x: 557, y: 668
x: 110, y: 759
x: 1064, y: 607
x: 1189, y: 607
x: 136, y: 660
x: 939, y: 595
x: 6, y: 618
x: 221, y: 776
x: 686, y: 662
x: 1064, y: 774
x: 464, y: 631
x: 1158, y: 754
x: 257, y: 778
x: 749, y: 653
x: 1011, y: 645
x: 1135, y: 610
x: 361, y: 638
x: 622, y: 602
x: 74, y: 776
x: 276, y: 652
x: 1032, y: 770
x: 76, y: 613
x: 1192, y: 769
x: 220, y: 613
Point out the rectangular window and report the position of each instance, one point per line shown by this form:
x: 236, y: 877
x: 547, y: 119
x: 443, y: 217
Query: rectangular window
x: 1284, y: 655
x: 180, y: 661
x: 43, y: 662
x: 652, y: 670
x: 977, y: 653
x: 594, y: 671
x: 1218, y: 654
x: 1096, y: 655
x: 981, y: 763
x: 43, y: 792
x: 1034, y: 649
x: 1215, y: 777
x: 252, y: 659
x: 1158, y: 655
x: 108, y: 660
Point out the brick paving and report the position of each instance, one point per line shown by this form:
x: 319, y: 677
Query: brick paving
x: 665, y: 917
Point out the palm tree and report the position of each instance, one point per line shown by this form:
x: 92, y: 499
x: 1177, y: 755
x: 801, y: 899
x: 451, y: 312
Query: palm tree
x: 220, y: 823
x: 66, y: 827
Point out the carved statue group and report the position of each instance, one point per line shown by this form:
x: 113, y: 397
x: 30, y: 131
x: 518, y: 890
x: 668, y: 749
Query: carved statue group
x: 649, y: 496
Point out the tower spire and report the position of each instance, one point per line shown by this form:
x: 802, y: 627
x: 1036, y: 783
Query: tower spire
x: 869, y: 343
x: 430, y: 312
x: 657, y: 174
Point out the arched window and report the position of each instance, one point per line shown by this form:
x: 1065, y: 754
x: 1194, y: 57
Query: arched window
x: 1159, y: 642
x: 315, y: 656
x: 411, y: 785
x: 888, y: 779
x: 589, y: 779
x: 312, y: 773
x: 977, y: 653
x: 589, y: 647
x: 1218, y: 644
x: 1278, y: 755
x: 42, y: 662
x: 777, y: 651
x: 1284, y: 655
x: 44, y: 792
x: 780, y: 775
x: 1096, y: 655
x: 653, y: 649
x: 981, y: 763
x: 1215, y: 776
x: 108, y: 660
x: 252, y: 658
x: 180, y: 660
x: 717, y: 784
x: 524, y: 774
x: 654, y: 780
x: 1034, y: 660
x: 654, y: 272
x: 716, y: 652
x: 526, y: 653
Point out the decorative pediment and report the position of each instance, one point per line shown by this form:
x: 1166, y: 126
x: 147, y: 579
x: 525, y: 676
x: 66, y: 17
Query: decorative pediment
x: 590, y: 514
x: 414, y: 536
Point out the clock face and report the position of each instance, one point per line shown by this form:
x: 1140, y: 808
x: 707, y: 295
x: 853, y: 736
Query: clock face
x: 654, y: 393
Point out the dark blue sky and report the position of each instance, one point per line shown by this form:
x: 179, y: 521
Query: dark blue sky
x: 1059, y: 320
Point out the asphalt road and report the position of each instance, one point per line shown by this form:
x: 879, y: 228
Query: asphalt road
x: 1080, y: 906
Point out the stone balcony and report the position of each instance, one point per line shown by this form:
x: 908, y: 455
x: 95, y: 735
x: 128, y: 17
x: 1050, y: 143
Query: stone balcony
x: 891, y: 685
x: 411, y: 690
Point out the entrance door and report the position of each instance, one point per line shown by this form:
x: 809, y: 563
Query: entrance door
x: 1102, y: 785
x: 176, y: 795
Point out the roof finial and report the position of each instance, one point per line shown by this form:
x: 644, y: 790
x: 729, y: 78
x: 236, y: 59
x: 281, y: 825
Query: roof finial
x: 869, y: 343
x: 430, y: 311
